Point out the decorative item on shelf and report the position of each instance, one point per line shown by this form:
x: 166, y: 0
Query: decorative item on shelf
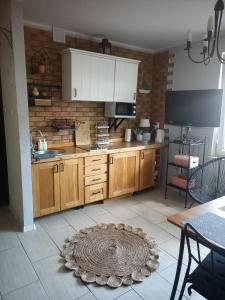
x: 65, y: 124
x: 211, y: 40
x: 35, y: 92
x: 145, y: 89
x: 102, y: 134
x: 105, y: 46
x: 39, y: 62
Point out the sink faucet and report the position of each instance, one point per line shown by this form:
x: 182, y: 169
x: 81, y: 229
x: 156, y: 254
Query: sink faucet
x: 32, y: 145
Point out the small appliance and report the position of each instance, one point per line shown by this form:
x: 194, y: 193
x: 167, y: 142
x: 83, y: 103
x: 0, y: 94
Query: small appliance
x: 120, y: 110
x: 160, y: 136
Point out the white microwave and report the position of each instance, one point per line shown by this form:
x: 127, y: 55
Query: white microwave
x: 120, y: 110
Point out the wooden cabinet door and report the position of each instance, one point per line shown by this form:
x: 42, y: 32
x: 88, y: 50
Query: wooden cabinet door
x: 147, y: 168
x: 126, y: 75
x: 123, y: 173
x: 46, y: 188
x: 92, y: 77
x: 71, y: 183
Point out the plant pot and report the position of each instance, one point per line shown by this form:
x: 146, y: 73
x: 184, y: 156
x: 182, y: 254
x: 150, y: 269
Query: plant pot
x: 41, y: 69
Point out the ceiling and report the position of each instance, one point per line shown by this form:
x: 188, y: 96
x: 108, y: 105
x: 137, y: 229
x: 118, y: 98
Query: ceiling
x: 149, y: 24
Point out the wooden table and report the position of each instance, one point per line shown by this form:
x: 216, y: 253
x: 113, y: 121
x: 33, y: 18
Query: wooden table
x: 178, y: 220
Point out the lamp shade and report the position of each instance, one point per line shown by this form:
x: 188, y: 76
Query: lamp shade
x: 144, y: 123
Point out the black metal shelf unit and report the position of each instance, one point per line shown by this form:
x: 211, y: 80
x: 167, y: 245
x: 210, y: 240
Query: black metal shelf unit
x: 189, y: 146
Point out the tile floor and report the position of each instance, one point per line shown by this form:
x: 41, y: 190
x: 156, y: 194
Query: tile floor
x: 31, y: 267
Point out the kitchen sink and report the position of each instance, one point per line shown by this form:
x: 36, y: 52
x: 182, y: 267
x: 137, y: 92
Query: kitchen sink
x: 47, y: 154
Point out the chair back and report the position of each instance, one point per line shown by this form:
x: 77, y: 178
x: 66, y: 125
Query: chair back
x: 192, y: 235
x: 207, y: 182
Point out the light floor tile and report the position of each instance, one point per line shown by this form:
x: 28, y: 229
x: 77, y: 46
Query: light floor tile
x: 94, y: 210
x: 52, y: 222
x: 131, y: 295
x: 78, y: 219
x: 88, y: 296
x: 15, y: 270
x: 106, y: 218
x: 173, y: 230
x: 107, y: 293
x: 154, y: 288
x: 148, y: 213
x: 59, y: 235
x: 122, y: 213
x: 38, y: 244
x: 58, y: 282
x: 8, y: 239
x: 165, y: 260
x: 33, y: 291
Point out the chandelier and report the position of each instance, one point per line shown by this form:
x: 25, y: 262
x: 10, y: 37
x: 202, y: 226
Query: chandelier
x: 211, y: 38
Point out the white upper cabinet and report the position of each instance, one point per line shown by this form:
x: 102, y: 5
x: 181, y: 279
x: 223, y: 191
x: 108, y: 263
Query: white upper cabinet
x: 126, y: 74
x: 90, y: 76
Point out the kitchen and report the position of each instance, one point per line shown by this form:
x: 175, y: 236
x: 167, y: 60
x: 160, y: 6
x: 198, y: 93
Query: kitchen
x: 141, y: 161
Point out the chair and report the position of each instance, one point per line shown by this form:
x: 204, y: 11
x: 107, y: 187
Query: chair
x: 208, y: 278
x: 207, y: 182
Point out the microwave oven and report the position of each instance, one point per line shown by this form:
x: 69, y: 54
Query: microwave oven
x: 120, y: 110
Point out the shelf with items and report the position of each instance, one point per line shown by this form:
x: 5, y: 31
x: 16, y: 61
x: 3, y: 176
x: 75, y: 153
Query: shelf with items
x: 190, y: 156
x: 65, y: 124
x: 40, y: 94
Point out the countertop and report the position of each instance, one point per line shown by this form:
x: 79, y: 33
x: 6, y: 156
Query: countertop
x: 77, y: 152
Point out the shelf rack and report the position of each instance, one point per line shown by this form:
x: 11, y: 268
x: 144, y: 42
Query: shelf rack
x: 189, y: 146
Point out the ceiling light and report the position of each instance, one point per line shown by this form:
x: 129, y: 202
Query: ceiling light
x: 210, y: 42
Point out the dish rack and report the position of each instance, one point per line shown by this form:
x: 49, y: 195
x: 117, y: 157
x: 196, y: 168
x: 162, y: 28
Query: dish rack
x: 65, y: 124
x: 102, y: 134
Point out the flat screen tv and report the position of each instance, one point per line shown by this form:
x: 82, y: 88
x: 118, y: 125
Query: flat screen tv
x: 197, y: 108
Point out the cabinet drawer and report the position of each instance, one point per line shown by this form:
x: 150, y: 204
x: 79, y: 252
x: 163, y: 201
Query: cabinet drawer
x: 95, y: 192
x: 95, y: 179
x: 93, y: 170
x: 96, y: 160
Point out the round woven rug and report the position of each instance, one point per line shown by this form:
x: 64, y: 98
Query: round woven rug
x: 110, y: 254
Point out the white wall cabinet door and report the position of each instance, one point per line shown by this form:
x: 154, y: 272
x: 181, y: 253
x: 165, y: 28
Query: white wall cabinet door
x: 92, y: 78
x: 126, y: 74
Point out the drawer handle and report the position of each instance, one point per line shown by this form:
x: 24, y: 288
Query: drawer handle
x: 111, y: 160
x: 61, y: 167
x: 96, y: 159
x: 97, y: 179
x: 96, y: 170
x: 74, y: 92
x: 96, y: 193
x: 142, y: 155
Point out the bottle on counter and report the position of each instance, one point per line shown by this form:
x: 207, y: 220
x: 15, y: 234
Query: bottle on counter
x: 45, y: 145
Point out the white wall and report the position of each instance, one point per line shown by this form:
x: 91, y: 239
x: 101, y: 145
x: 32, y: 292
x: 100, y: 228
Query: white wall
x: 14, y: 90
x: 190, y: 76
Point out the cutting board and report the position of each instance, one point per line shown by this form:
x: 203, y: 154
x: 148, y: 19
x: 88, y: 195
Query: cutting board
x: 83, y: 134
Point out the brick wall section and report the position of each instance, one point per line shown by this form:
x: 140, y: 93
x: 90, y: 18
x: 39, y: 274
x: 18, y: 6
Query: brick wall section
x: 159, y: 86
x: 147, y: 105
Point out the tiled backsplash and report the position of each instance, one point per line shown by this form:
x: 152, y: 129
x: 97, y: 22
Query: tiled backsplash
x: 154, y: 67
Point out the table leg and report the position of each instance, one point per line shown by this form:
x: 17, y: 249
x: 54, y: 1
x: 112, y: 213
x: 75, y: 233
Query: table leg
x: 179, y: 265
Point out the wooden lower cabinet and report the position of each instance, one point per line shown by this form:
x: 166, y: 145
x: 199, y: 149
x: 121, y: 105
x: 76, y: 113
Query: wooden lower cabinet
x: 123, y: 173
x: 57, y: 186
x: 71, y: 183
x: 95, y: 192
x: 147, y: 168
x: 46, y: 188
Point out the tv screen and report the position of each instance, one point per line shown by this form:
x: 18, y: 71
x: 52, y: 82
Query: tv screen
x: 197, y: 108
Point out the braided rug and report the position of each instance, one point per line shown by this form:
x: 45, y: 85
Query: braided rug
x: 110, y: 254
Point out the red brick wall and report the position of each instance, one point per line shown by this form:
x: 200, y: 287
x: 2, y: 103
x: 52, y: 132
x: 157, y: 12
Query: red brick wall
x: 154, y: 67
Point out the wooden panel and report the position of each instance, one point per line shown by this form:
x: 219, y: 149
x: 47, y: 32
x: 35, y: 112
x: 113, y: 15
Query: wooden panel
x: 147, y: 168
x: 96, y: 160
x: 125, y: 81
x: 123, y: 173
x: 71, y: 183
x: 46, y: 188
x: 95, y: 179
x: 96, y: 169
x: 95, y: 192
